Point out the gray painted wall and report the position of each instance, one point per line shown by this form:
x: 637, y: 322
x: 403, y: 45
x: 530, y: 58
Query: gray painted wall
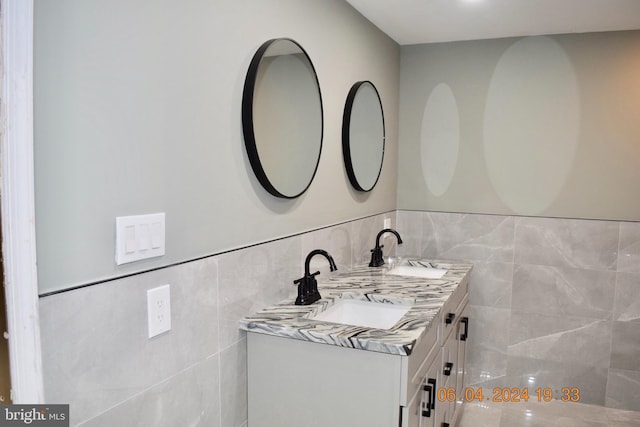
x: 148, y: 98
x: 527, y: 129
x: 542, y: 126
x: 137, y: 110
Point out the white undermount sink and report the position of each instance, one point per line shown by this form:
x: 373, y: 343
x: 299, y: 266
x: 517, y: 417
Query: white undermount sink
x: 363, y: 313
x: 417, y: 271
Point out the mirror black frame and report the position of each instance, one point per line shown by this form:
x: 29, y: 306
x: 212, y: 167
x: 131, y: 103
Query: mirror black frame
x: 346, y: 142
x: 247, y: 119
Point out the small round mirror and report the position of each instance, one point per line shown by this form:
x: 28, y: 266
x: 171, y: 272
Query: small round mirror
x: 282, y: 118
x: 363, y: 136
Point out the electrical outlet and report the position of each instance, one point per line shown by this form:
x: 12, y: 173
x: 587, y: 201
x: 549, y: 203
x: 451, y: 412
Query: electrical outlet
x: 159, y: 310
x: 387, y: 223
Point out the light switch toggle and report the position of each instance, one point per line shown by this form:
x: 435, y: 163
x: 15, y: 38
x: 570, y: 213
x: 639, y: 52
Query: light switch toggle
x: 139, y: 237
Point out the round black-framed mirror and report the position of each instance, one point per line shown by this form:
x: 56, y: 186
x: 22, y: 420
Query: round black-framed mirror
x: 363, y: 135
x: 282, y: 117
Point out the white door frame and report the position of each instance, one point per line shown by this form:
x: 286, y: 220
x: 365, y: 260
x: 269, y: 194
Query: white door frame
x: 18, y: 211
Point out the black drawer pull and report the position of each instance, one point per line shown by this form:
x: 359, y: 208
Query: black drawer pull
x: 450, y: 318
x: 447, y: 368
x: 432, y: 381
x: 431, y: 402
x: 426, y: 411
x: 465, y: 334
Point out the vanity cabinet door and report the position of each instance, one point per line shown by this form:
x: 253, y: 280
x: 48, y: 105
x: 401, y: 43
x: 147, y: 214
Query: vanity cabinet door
x: 451, y: 311
x: 451, y: 386
x: 411, y: 414
x: 445, y: 396
x: 422, y: 370
x: 462, y: 334
x: 426, y: 416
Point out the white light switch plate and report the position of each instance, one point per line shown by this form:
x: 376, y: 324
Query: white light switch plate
x: 139, y: 237
x: 159, y: 310
x: 387, y: 223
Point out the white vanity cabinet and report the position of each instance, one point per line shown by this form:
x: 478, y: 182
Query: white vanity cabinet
x: 440, y: 393
x: 450, y: 387
x: 318, y: 380
x: 294, y: 383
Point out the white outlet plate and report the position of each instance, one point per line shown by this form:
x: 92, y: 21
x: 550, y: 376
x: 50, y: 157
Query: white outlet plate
x: 159, y: 310
x: 387, y: 223
x: 139, y: 237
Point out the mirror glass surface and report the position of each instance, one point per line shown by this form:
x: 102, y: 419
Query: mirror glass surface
x: 363, y: 136
x: 282, y: 118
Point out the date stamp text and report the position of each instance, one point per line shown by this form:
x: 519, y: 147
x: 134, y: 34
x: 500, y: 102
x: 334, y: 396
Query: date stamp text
x: 510, y: 394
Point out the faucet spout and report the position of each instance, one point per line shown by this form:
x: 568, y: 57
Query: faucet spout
x: 307, y: 285
x: 307, y: 262
x: 377, y: 258
x: 388, y: 230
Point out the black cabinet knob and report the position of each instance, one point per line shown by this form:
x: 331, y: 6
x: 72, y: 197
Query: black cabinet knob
x: 450, y: 318
x: 447, y: 368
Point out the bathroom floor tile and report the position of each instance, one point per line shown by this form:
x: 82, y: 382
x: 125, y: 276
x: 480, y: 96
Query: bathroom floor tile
x: 554, y: 413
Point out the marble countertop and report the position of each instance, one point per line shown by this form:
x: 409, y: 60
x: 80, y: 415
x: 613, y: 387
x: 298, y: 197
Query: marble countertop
x: 427, y: 296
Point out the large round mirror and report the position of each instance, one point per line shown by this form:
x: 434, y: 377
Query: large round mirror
x: 282, y: 118
x: 363, y: 136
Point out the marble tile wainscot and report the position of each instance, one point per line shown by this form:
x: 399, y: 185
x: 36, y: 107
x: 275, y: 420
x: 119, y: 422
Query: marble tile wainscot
x: 555, y: 302
x: 106, y: 369
x: 98, y: 359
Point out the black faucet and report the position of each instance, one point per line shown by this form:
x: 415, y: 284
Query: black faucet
x: 376, y: 253
x: 307, y: 285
